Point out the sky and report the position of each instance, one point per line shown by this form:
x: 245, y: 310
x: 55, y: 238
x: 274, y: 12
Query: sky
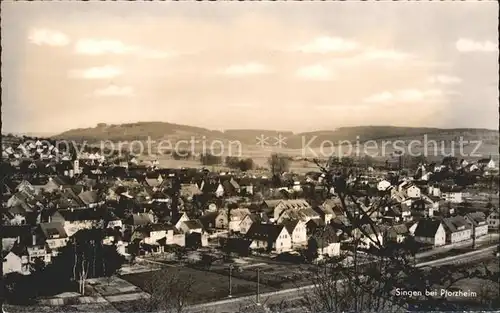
x: 297, y: 66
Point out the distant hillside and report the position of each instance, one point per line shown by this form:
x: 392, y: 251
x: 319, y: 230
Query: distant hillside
x: 174, y: 132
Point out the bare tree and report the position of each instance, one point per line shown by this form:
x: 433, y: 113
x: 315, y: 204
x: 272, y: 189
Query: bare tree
x: 371, y: 286
x: 168, y: 292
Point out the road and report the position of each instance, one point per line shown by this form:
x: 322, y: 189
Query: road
x: 236, y: 304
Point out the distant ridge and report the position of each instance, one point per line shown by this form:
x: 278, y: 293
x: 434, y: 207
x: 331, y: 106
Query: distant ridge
x: 162, y: 130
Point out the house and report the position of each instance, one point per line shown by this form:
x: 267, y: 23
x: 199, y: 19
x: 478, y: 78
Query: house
x: 231, y: 187
x: 90, y: 198
x: 326, y: 210
x: 246, y: 186
x: 478, y: 222
x: 429, y: 231
x: 173, y: 237
x: 486, y: 163
x: 138, y: 219
x: 16, y: 261
x: 457, y: 229
x: 191, y: 226
x: 298, y: 232
x: 396, y: 233
x: 212, y: 187
x: 370, y: 236
x: 236, y: 217
x: 493, y: 221
x: 54, y: 183
x: 397, y: 212
x: 383, y: 185
x: 276, y: 207
x: 15, y: 215
x: 250, y: 219
x: 54, y: 234
x: 188, y: 191
x: 409, y: 190
x: 304, y: 215
x: 74, y: 220
x: 181, y: 219
x: 452, y: 194
x: 269, y: 237
x: 325, y: 241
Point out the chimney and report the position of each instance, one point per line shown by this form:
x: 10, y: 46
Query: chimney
x: 33, y: 238
x: 18, y: 239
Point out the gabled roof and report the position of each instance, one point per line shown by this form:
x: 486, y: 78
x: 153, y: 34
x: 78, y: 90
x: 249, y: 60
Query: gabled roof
x: 193, y: 224
x: 153, y: 182
x: 456, y: 224
x: 139, y: 219
x: 267, y: 232
x: 89, y: 197
x: 83, y: 215
x: 484, y: 161
x: 324, y: 236
x: 51, y: 229
x: 15, y: 231
x: 476, y: 218
x: 427, y: 228
x: 290, y: 225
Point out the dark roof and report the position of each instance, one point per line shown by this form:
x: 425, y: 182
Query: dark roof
x: 14, y: 231
x: 456, y: 223
x: 324, y: 236
x: 209, y: 218
x: 83, y: 214
x: 290, y: 225
x: 269, y: 232
x: 193, y: 224
x: 476, y: 218
x: 138, y: 219
x: 89, y: 197
x: 51, y: 229
x: 427, y: 228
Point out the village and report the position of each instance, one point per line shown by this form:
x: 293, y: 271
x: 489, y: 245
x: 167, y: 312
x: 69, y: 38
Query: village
x: 253, y: 230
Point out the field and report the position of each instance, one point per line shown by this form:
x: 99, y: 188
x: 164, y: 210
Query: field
x: 208, y: 286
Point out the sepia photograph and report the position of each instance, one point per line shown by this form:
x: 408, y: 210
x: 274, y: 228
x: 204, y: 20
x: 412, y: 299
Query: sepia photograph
x: 249, y: 156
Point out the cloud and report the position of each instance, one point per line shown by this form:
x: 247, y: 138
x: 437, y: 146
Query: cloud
x: 406, y: 95
x: 97, y: 72
x: 327, y: 45
x: 444, y: 79
x: 468, y: 45
x: 382, y: 54
x: 103, y: 46
x: 113, y: 90
x: 314, y: 72
x: 43, y: 36
x: 246, y: 69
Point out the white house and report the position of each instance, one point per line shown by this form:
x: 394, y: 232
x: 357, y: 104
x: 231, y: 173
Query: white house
x: 478, y: 222
x: 54, y: 234
x: 269, y: 237
x: 326, y: 241
x: 429, y: 232
x: 453, y: 196
x: 16, y: 263
x: 493, y: 220
x: 298, y: 231
x: 457, y: 229
x: 411, y: 191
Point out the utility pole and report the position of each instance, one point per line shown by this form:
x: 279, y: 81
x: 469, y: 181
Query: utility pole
x: 356, y: 262
x: 258, y: 286
x: 230, y: 281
